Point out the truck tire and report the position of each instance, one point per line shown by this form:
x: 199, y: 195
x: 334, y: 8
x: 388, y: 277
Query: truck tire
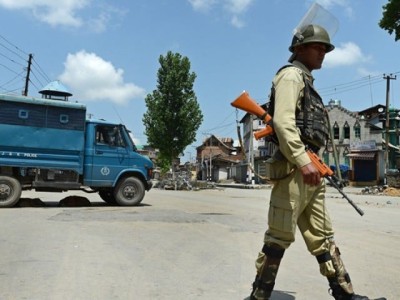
x: 107, y: 196
x: 129, y: 191
x: 10, y: 191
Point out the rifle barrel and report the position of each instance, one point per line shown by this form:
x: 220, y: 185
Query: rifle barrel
x: 359, y: 210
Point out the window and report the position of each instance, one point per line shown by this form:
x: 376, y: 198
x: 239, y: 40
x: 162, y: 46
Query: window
x: 109, y: 135
x: 346, y: 158
x: 325, y: 156
x: 346, y: 130
x: 357, y: 130
x: 336, y: 131
x: 64, y: 119
x: 23, y: 114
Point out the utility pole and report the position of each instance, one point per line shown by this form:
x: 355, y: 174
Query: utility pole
x: 251, y: 153
x: 211, y: 174
x: 387, y: 123
x: 28, y: 73
x: 208, y: 166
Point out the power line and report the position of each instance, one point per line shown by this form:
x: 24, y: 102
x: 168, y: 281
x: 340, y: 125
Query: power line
x: 352, y: 85
x: 2, y: 37
x: 44, y: 75
x: 30, y: 65
x: 8, y: 68
x: 34, y: 75
x: 220, y: 127
x: 3, y: 86
x: 350, y: 88
x: 12, y: 51
x: 13, y: 61
x: 346, y: 86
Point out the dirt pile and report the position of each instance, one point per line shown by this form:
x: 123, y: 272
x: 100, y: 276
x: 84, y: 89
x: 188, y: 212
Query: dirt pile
x: 391, y: 191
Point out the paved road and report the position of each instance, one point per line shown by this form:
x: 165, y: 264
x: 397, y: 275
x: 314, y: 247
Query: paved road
x: 185, y: 245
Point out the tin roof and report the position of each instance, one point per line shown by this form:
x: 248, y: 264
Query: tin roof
x: 55, y: 88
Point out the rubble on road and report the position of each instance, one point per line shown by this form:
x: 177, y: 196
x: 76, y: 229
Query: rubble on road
x: 381, y: 190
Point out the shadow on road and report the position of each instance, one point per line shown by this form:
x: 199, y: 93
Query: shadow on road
x: 70, y: 201
x: 279, y: 295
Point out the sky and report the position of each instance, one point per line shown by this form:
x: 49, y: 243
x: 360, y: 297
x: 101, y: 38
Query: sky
x: 107, y: 53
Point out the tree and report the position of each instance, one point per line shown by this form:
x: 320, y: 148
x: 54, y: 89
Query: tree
x: 391, y: 18
x: 173, y: 114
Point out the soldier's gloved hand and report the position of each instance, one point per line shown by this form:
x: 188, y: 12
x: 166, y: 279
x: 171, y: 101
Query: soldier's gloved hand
x: 311, y: 175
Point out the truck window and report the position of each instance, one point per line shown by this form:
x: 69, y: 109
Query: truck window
x: 109, y: 135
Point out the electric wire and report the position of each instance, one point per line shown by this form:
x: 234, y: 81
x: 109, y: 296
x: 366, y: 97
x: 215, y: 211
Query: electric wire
x: 3, y: 86
x: 34, y: 75
x: 19, y: 57
x: 6, y: 40
x: 44, y: 75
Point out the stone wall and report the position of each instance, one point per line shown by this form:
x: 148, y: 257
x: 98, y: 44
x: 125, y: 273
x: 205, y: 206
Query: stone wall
x: 393, y: 178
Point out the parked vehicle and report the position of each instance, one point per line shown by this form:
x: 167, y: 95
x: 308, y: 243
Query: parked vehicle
x: 48, y: 145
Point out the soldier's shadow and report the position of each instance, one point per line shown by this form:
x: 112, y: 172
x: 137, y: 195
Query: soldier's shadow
x: 280, y: 295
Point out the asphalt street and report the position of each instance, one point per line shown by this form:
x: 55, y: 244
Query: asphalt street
x: 185, y: 245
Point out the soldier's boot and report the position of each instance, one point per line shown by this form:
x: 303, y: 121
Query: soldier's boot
x: 331, y: 266
x: 267, y: 265
x: 341, y: 294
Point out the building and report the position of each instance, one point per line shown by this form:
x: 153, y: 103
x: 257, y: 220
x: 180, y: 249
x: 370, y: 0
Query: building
x: 217, y: 158
x: 348, y: 128
x: 252, y: 168
x: 351, y: 127
x: 148, y: 151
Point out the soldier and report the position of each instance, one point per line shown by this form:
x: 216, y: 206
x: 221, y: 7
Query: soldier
x: 298, y: 196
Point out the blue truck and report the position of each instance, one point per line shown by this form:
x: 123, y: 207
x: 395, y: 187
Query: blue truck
x: 51, y: 146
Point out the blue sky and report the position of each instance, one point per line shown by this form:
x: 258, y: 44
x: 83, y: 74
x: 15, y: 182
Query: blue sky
x: 106, y: 53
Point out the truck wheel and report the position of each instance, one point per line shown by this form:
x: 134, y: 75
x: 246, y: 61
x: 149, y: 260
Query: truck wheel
x: 129, y: 191
x: 10, y: 191
x: 107, y: 196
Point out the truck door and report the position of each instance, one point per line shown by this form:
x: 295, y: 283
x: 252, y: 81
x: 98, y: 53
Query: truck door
x: 110, y: 155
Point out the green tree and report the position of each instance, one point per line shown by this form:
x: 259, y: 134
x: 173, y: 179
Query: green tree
x: 391, y: 18
x: 173, y: 114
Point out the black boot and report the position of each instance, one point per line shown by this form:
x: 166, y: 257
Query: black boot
x: 339, y: 280
x: 267, y: 268
x: 340, y: 294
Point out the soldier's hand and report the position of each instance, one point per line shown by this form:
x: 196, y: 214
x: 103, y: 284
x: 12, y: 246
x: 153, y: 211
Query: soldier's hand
x: 311, y: 175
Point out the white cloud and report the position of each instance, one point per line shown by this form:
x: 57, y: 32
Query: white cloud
x: 92, y: 78
x: 363, y: 72
x: 62, y: 12
x: 66, y: 12
x: 233, y: 8
x: 345, y: 4
x: 237, y: 22
x: 99, y: 23
x: 237, y: 6
x: 345, y: 55
x: 202, y: 5
x: 135, y: 140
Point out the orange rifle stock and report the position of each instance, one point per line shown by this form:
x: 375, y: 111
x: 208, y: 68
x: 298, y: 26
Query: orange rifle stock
x: 246, y: 103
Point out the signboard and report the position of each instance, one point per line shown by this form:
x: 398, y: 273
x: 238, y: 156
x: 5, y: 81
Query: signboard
x: 363, y: 145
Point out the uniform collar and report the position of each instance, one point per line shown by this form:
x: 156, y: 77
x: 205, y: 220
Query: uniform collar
x: 303, y: 68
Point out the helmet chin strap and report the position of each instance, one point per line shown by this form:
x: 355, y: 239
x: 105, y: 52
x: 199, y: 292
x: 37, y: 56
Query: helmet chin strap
x: 292, y: 58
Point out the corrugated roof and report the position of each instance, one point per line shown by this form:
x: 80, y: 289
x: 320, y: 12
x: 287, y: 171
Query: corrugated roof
x: 55, y: 88
x: 365, y: 155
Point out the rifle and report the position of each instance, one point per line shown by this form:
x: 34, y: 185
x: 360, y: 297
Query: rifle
x: 327, y: 173
x: 244, y: 102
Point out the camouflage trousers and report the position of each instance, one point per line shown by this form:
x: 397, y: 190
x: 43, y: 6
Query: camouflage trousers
x: 293, y: 205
